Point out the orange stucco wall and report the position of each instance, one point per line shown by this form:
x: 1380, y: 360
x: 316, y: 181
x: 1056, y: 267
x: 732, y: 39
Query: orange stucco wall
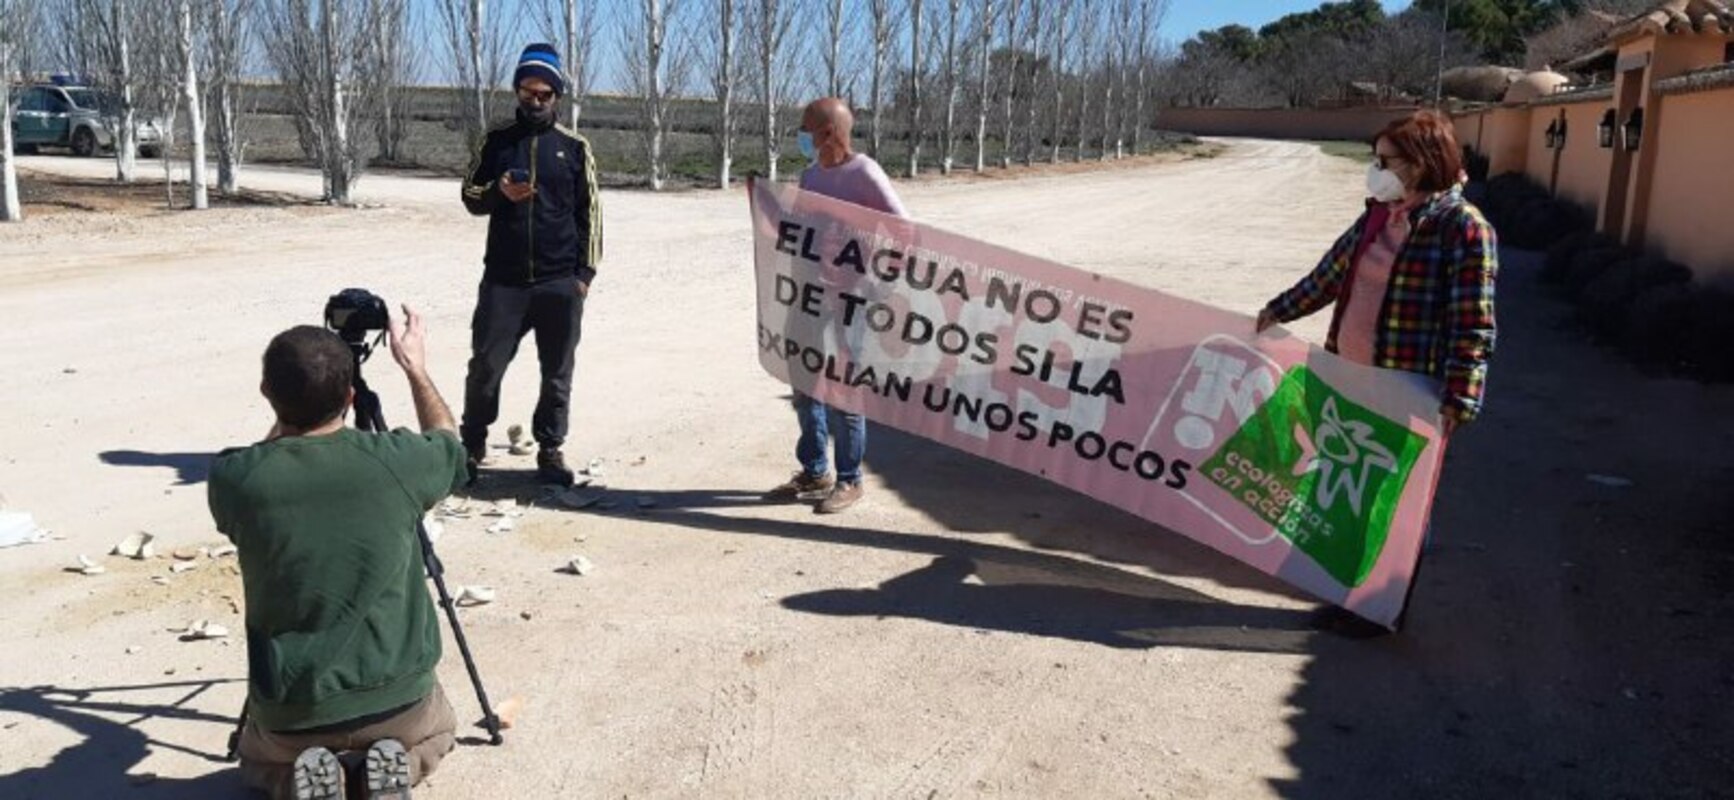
x: 1583, y: 162
x: 1690, y: 215
x: 1505, y: 140
x: 1675, y: 195
x: 1538, y: 159
x: 1670, y: 56
x: 1684, y: 53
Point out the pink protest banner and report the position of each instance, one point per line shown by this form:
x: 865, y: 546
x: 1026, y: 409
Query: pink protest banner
x: 1279, y: 454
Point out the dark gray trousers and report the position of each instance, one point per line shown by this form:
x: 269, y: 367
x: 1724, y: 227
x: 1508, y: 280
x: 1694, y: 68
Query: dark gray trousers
x: 555, y: 311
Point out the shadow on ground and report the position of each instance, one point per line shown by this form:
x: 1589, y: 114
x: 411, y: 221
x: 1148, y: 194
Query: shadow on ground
x: 1567, y: 639
x: 190, y: 468
x: 986, y: 594
x: 972, y: 495
x: 103, y: 763
x: 986, y: 586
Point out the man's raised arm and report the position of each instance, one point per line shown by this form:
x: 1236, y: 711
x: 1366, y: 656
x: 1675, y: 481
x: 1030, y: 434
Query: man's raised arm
x: 409, y: 350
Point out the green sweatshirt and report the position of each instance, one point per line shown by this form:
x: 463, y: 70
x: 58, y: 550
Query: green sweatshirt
x: 339, y: 623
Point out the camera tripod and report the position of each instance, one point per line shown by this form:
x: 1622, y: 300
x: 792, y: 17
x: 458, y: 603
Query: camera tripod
x: 370, y: 418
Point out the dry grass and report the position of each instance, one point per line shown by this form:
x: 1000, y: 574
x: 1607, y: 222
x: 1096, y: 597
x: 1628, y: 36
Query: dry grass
x: 47, y: 195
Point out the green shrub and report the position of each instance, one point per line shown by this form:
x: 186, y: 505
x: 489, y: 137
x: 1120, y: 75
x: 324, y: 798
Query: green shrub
x: 1588, y: 265
x: 1657, y: 325
x: 1605, y: 301
x: 1560, y: 254
x: 1710, y: 329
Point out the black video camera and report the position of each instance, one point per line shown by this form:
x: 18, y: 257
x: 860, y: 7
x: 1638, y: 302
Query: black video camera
x: 352, y: 313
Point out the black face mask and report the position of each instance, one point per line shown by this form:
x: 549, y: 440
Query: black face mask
x: 540, y: 116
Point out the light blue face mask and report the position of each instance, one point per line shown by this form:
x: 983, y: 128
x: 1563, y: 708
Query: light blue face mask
x: 809, y: 150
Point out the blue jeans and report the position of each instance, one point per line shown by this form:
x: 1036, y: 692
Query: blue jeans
x: 816, y: 430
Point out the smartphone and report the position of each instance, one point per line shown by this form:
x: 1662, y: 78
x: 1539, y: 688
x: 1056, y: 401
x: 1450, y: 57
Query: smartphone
x: 519, y: 175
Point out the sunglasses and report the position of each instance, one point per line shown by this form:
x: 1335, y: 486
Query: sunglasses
x: 541, y: 96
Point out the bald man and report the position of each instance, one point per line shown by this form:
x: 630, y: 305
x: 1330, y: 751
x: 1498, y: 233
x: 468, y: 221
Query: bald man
x: 840, y: 172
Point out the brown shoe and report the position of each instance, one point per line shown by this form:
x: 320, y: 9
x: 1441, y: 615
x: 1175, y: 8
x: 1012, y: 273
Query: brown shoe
x: 551, y: 468
x: 474, y: 454
x: 802, y: 487
x: 842, y: 496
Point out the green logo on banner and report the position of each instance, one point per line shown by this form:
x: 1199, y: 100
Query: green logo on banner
x: 1327, y: 473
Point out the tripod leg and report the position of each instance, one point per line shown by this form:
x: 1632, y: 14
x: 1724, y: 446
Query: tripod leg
x: 436, y: 570
x: 235, y: 735
x: 369, y: 416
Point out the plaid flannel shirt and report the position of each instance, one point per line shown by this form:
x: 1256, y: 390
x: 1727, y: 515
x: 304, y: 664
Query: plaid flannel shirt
x: 1437, y: 315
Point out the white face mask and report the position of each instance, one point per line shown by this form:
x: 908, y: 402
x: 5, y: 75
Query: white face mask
x: 1384, y: 185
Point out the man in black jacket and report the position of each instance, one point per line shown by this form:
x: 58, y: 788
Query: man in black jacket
x: 536, y: 182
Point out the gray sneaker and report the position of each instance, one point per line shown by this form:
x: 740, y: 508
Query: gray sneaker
x: 317, y: 776
x: 801, y: 487
x: 842, y: 496
x: 387, y: 771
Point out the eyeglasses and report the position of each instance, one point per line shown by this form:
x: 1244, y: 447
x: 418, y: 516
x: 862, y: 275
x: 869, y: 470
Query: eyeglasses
x: 537, y: 96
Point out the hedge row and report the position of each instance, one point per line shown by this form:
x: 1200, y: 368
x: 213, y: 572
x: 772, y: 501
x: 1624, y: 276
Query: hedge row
x: 1527, y: 216
x: 1648, y: 307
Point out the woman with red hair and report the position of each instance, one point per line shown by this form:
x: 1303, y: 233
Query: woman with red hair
x: 1412, y: 279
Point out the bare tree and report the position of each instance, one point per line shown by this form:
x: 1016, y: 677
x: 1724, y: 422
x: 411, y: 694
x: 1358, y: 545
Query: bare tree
x: 1125, y: 29
x: 1388, y: 55
x: 187, y: 48
x: 1033, y: 36
x: 1579, y: 32
x: 10, y: 209
x: 1303, y: 66
x: 952, y: 77
x: 475, y: 40
x: 836, y: 29
x: 316, y: 48
x: 724, y: 70
x: 98, y: 35
x: 984, y: 58
x: 1086, y: 43
x: 1151, y: 14
x: 160, y: 76
x: 771, y: 23
x: 341, y: 164
x: 391, y: 67
x: 1204, y: 72
x: 915, y: 70
x: 573, y: 23
x: 229, y: 19
x: 18, y: 24
x: 655, y: 70
x: 1061, y: 41
x: 1013, y: 12
x: 1116, y: 55
x: 884, y: 27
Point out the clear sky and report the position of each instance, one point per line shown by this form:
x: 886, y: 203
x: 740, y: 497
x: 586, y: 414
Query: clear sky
x: 1187, y: 17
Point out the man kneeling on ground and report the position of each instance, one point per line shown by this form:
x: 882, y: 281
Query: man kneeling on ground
x: 342, y: 639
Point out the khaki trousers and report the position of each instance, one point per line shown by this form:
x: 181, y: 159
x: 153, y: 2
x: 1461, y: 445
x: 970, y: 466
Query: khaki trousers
x: 428, y: 730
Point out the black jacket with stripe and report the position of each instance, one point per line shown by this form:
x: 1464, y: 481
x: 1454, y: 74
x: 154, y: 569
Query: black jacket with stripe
x: 557, y: 232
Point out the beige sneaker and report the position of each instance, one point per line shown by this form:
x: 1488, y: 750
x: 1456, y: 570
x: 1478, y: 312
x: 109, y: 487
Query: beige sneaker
x: 842, y: 496
x: 802, y: 487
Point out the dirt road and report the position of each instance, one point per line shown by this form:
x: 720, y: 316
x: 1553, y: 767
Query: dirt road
x: 969, y: 631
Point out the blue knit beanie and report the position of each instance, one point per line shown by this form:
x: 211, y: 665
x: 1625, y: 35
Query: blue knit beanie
x: 540, y: 61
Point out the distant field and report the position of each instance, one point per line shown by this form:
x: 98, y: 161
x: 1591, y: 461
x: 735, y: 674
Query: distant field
x: 611, y: 124
x: 1353, y: 150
